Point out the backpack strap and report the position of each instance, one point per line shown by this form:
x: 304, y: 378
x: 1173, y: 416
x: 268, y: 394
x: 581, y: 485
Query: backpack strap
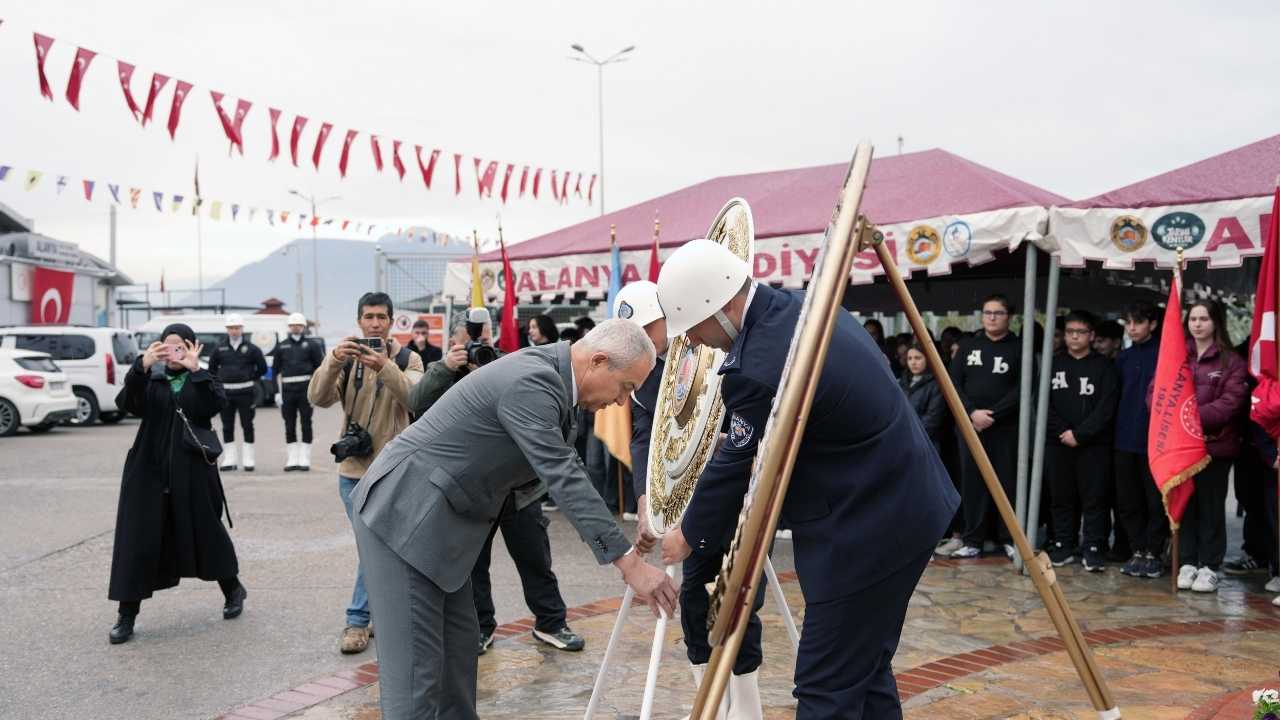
x: 402, y: 358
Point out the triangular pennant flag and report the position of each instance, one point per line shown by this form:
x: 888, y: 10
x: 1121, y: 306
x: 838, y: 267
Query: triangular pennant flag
x: 158, y: 82
x: 159, y: 198
x: 135, y: 194
x: 564, y: 188
x: 252, y: 212
x: 506, y: 180
x: 457, y: 173
x: 275, y: 138
x: 224, y: 118
x: 537, y: 178
x: 235, y: 211
x: 577, y: 186
x: 345, y: 223
x: 62, y: 183
x: 395, y: 159
x: 284, y: 216
x: 78, y: 69
x: 215, y: 210
x: 320, y: 138
x: 299, y: 122
x: 115, y: 192
x: 4, y: 172
x: 177, y: 203
x: 271, y: 217
x: 180, y: 91
x: 126, y: 76
x: 33, y: 179
x: 555, y: 186
x: 88, y: 190
x: 346, y: 152
x: 524, y: 179
x: 327, y: 222
x: 430, y: 168
x: 377, y: 152
x: 314, y: 221
x: 591, y: 187
x: 242, y: 110
x: 43, y: 43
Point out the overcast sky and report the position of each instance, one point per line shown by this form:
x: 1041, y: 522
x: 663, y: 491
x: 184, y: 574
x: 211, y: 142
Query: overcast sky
x: 1078, y: 98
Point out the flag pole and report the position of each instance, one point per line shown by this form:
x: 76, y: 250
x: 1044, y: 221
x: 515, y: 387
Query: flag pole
x: 1175, y: 532
x: 613, y: 242
x: 1276, y: 248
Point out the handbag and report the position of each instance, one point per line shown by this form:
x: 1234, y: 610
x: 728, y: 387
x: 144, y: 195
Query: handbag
x: 201, y: 441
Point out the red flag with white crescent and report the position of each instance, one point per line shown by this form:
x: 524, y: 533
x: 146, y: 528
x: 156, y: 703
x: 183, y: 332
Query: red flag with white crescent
x: 51, y: 296
x: 126, y: 76
x: 299, y: 122
x: 1263, y: 363
x: 457, y: 173
x: 537, y: 180
x: 320, y: 138
x: 1175, y: 438
x: 506, y: 181
x: 577, y: 186
x: 377, y: 152
x: 555, y: 186
x: 158, y: 82
x: 224, y: 118
x: 346, y: 152
x: 430, y: 168
x: 43, y: 43
x: 237, y: 124
x: 78, y: 69
x: 591, y: 188
x: 180, y: 91
x: 564, y: 188
x: 524, y: 179
x: 395, y: 159
x: 275, y: 137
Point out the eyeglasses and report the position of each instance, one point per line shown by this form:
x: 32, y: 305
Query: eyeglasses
x: 1076, y: 331
x: 994, y: 313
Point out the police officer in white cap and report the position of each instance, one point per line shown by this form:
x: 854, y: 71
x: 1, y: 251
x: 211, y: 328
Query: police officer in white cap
x: 294, y: 360
x: 238, y: 364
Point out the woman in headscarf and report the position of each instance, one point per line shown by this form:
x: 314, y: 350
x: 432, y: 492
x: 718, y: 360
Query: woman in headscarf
x: 169, y: 520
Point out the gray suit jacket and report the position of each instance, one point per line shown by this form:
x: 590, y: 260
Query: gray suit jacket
x: 433, y: 493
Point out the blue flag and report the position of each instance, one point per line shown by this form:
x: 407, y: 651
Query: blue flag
x: 615, y: 277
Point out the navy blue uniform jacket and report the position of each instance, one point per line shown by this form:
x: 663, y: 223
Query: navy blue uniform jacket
x: 868, y: 494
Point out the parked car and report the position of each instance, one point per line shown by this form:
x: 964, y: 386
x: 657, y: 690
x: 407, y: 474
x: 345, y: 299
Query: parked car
x: 95, y: 360
x: 34, y: 392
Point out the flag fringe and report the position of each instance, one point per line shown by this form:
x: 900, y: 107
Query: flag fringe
x: 1177, y: 480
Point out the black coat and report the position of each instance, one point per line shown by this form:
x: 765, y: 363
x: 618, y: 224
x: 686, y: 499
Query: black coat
x: 926, y: 399
x: 169, y: 520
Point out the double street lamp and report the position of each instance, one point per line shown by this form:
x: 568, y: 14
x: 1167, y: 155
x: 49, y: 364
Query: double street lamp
x: 315, y: 258
x: 586, y: 57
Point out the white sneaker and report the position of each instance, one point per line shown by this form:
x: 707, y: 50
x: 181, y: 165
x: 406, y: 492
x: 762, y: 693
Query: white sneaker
x: 1276, y: 602
x: 1206, y: 581
x: 1273, y: 585
x: 1010, y: 551
x: 948, y: 546
x: 1186, y: 577
x: 967, y: 551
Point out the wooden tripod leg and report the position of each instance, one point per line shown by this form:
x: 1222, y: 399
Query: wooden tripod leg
x: 614, y: 636
x: 1041, y: 571
x: 780, y: 598
x: 655, y: 657
x: 1175, y: 563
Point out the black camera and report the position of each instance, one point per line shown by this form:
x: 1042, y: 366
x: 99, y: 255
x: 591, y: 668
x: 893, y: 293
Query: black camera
x: 356, y: 442
x: 478, y: 353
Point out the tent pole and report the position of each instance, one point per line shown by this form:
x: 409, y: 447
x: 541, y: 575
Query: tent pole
x: 1042, y: 401
x: 1024, y: 395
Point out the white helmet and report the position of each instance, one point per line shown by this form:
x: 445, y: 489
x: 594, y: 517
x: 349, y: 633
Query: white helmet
x: 298, y: 319
x: 234, y: 320
x: 638, y: 302
x: 696, y: 282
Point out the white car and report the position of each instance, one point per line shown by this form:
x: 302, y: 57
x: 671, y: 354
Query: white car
x: 95, y: 360
x: 34, y: 392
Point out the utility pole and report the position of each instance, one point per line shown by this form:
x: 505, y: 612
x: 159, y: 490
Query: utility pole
x: 315, y: 256
x: 588, y: 58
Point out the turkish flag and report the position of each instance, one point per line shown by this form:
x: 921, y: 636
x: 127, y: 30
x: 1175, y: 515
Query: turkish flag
x: 180, y: 91
x: 299, y: 122
x: 1175, y: 439
x: 395, y: 159
x: 51, y: 296
x: 323, y: 135
x: 506, y: 181
x: 509, y: 339
x: 275, y: 139
x: 158, y: 82
x: 1263, y: 360
x: 228, y: 127
x: 524, y: 179
x: 346, y: 152
x: 377, y: 152
x: 242, y: 109
x: 457, y: 173
x: 43, y: 43
x: 430, y: 168
x: 126, y: 74
x: 591, y: 191
x: 78, y: 69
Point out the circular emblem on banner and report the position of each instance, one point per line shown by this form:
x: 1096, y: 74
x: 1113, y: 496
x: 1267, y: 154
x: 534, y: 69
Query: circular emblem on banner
x: 1190, y: 417
x: 51, y: 297
x: 1128, y: 233
x: 1178, y: 231
x: 487, y: 280
x: 923, y: 245
x: 957, y: 237
x: 625, y: 311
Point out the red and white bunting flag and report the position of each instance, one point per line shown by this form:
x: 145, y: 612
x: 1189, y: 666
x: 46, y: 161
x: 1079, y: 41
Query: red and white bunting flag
x: 126, y: 76
x: 377, y: 152
x: 180, y: 91
x: 237, y: 124
x: 345, y: 223
x: 158, y: 82
x: 564, y: 189
x: 457, y: 173
x: 591, y: 188
x: 537, y: 180
x: 506, y: 181
x: 484, y: 183
x: 395, y: 159
x: 577, y: 186
x: 555, y: 186
x: 275, y: 138
x: 524, y: 179
x: 78, y: 69
x: 346, y: 152
x: 43, y: 43
x: 88, y: 189
x: 1263, y: 363
x: 224, y: 118
x: 135, y: 194
x: 323, y: 135
x: 299, y: 122
x: 430, y: 168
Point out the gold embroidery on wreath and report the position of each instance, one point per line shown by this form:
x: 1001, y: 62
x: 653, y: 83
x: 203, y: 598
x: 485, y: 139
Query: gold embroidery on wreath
x: 673, y: 445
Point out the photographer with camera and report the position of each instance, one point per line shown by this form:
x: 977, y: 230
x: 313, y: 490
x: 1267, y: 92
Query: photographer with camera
x: 371, y: 376
x: 524, y: 527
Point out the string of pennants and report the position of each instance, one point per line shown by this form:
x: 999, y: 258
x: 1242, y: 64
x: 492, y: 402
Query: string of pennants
x: 518, y: 179
x: 217, y: 210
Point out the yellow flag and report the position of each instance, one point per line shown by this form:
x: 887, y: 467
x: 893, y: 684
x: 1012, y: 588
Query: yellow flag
x: 613, y: 427
x: 215, y: 210
x: 33, y: 178
x: 477, y: 290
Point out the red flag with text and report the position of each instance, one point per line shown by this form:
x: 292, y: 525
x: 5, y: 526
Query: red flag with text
x: 51, y: 296
x: 1263, y: 362
x: 1175, y: 439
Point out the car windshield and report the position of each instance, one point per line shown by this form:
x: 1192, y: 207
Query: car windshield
x: 37, y: 364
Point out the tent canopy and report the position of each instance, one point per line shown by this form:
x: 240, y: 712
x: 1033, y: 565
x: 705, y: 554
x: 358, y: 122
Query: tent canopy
x: 901, y: 188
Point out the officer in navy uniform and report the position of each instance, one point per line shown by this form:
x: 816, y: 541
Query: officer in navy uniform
x: 238, y: 364
x: 638, y: 302
x: 869, y: 497
x: 292, y: 362
x: 986, y: 371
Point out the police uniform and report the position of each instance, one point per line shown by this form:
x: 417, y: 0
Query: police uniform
x: 986, y: 374
x: 292, y: 363
x: 1082, y: 399
x: 868, y: 500
x: 238, y: 367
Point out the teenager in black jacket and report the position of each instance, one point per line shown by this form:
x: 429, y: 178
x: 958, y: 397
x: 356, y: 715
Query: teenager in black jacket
x: 1083, y: 391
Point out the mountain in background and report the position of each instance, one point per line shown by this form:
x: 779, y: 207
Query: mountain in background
x: 346, y: 273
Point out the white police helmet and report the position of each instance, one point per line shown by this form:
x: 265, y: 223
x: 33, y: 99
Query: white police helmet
x: 638, y: 302
x: 298, y: 319
x: 234, y: 320
x: 696, y: 282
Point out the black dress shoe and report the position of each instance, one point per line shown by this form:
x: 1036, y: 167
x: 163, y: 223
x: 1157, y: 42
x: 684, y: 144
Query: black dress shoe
x: 235, y: 603
x: 123, y: 629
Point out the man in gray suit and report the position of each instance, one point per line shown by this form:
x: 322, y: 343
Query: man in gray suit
x: 426, y: 505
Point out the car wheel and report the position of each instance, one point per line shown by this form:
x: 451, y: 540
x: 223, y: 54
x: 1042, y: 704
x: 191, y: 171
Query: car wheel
x: 110, y: 418
x: 10, y: 421
x: 86, y: 407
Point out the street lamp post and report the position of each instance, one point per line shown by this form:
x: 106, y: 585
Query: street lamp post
x: 587, y: 57
x: 315, y: 255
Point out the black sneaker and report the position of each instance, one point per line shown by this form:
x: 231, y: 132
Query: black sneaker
x: 1152, y: 566
x: 1094, y: 560
x: 1060, y: 555
x: 486, y: 642
x: 562, y: 639
x: 1135, y: 565
x: 1245, y: 565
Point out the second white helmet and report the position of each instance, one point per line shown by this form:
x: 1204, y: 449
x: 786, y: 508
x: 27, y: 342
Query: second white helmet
x: 696, y: 281
x: 297, y: 319
x: 638, y: 302
x: 234, y: 320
